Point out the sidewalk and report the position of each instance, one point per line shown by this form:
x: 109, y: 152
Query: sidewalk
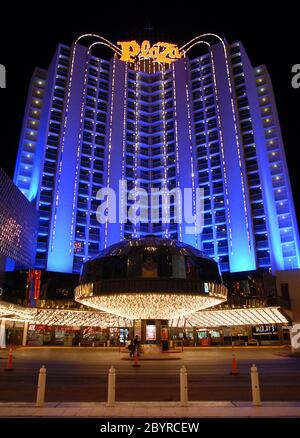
x: 197, y: 409
x: 121, y: 349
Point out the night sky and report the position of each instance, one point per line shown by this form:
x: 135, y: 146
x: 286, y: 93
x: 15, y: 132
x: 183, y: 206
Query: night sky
x: 268, y: 34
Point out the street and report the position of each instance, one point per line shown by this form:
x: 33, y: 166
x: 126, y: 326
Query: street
x: 80, y: 374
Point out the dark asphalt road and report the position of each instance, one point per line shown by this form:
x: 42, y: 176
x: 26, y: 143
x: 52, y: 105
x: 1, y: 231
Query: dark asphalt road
x: 81, y: 375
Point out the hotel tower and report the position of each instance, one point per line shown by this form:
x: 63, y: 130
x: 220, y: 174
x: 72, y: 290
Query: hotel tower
x: 204, y: 117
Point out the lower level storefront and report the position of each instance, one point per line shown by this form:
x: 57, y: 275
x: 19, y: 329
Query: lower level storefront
x: 148, y: 332
x: 77, y: 336
x: 265, y: 334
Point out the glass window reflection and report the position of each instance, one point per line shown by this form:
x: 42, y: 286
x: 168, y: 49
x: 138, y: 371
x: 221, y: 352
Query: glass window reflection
x: 151, y: 262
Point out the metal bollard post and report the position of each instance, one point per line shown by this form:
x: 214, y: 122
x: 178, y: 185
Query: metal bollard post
x: 183, y: 387
x: 256, y: 401
x: 25, y: 333
x: 111, y: 393
x: 40, y: 397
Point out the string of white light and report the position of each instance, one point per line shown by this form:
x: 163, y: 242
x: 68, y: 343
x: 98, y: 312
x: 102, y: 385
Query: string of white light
x: 109, y: 148
x: 79, y: 141
x: 187, y: 47
x: 191, y: 147
x: 103, y: 40
x: 176, y: 148
x: 124, y: 195
x: 151, y: 305
x: 165, y: 184
x: 231, y: 317
x: 227, y: 206
x: 136, y: 149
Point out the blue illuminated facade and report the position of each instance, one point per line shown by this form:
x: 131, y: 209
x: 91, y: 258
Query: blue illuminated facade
x: 208, y: 121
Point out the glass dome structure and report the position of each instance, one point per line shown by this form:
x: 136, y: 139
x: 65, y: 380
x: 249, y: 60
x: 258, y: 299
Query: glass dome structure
x: 150, y: 277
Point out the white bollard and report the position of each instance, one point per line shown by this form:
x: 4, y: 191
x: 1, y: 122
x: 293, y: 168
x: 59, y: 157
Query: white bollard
x: 183, y: 387
x: 2, y: 334
x: 111, y: 393
x: 40, y: 397
x: 256, y: 401
x: 25, y: 332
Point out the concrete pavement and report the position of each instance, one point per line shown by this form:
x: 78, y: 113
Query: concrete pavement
x: 80, y: 375
x: 196, y: 409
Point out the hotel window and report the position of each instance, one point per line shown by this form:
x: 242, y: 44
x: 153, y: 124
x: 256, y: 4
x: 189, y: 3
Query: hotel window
x: 236, y: 60
x: 195, y: 75
x: 102, y: 106
x: 93, y: 72
x: 64, y: 62
x: 244, y: 114
x: 206, y: 70
x: 246, y: 125
x: 60, y: 82
x: 234, y: 49
x: 243, y: 102
x: 238, y: 69
x: 105, y: 66
x: 208, y: 91
x: 200, y: 139
x: 104, y: 75
x: 62, y: 71
x: 94, y: 62
x: 210, y: 112
x: 103, y: 85
x: 241, y: 91
x: 101, y: 117
x: 199, y: 127
x: 239, y: 80
x: 207, y: 81
x: 65, y: 51
x: 59, y: 93
x: 91, y: 92
x: 205, y: 61
x: 209, y: 101
x: 198, y: 116
x: 197, y: 95
x: 57, y: 104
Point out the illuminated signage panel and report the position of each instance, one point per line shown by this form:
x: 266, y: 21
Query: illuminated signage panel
x: 150, y: 332
x: 160, y: 52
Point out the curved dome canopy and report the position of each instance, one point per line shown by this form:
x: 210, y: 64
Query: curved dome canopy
x: 125, y: 247
x: 150, y: 277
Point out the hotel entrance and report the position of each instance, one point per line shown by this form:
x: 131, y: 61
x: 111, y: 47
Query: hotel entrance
x: 152, y: 331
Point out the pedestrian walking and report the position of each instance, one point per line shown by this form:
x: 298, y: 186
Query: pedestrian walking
x: 131, y: 348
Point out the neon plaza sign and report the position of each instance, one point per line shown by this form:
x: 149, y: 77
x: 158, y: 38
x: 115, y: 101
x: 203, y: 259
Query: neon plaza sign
x: 158, y: 53
x: 161, y: 52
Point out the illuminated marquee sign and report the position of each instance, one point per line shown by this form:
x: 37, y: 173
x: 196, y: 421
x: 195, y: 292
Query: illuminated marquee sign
x: 265, y: 329
x: 159, y: 52
x: 150, y: 332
